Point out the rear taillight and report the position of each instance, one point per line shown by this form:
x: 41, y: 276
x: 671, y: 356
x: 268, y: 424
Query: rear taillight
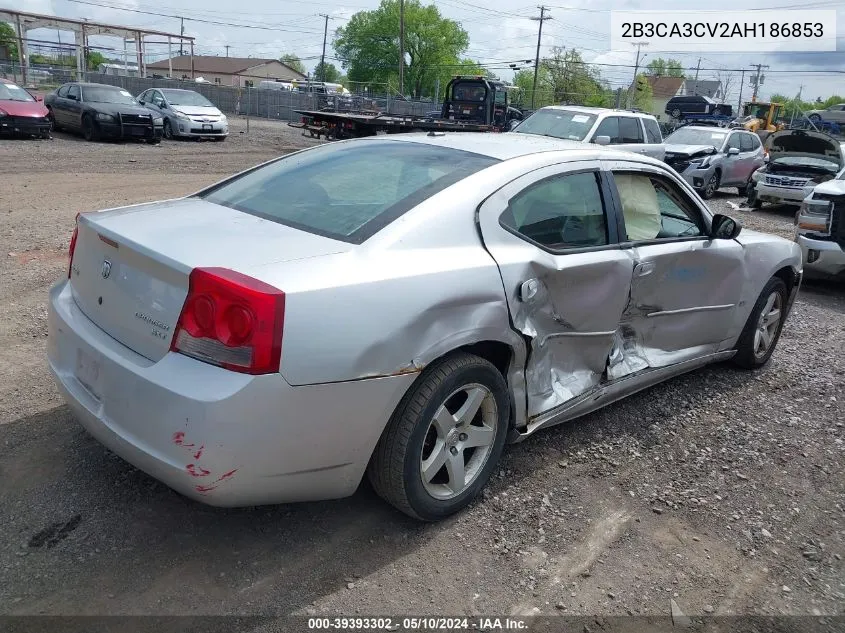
x: 231, y: 320
x: 72, y: 245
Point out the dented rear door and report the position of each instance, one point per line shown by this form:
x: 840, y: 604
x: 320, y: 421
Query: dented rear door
x: 566, y: 298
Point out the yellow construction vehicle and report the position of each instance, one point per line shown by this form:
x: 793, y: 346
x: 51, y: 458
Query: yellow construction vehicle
x: 760, y: 117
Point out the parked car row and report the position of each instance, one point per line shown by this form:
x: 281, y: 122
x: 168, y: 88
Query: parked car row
x: 101, y: 111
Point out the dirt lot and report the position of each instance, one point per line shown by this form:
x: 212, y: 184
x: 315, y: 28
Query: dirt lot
x: 721, y: 490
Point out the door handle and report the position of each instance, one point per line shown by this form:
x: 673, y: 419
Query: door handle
x: 644, y: 268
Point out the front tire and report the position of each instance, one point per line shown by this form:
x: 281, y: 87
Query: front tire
x: 89, y: 130
x: 762, y: 330
x: 444, y: 439
x: 168, y: 130
x: 711, y: 186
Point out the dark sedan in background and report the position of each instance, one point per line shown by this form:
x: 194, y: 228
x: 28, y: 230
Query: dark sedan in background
x: 100, y: 111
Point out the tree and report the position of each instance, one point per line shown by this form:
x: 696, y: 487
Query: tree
x: 9, y: 40
x: 726, y: 81
x: 572, y: 81
x: 369, y: 46
x: 657, y: 67
x: 94, y: 59
x: 332, y: 74
x: 674, y: 68
x: 293, y: 61
x: 643, y: 95
x: 660, y: 67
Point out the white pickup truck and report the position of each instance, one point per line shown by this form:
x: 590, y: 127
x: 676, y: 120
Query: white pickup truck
x: 632, y: 131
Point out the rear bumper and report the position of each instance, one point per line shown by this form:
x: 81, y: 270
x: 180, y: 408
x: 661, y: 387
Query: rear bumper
x: 828, y: 257
x: 219, y: 437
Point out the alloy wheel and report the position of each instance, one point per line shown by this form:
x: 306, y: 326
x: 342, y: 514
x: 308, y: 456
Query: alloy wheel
x: 768, y: 323
x: 459, y: 441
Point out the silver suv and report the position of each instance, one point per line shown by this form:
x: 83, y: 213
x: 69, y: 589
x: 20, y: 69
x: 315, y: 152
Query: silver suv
x: 712, y: 157
x: 625, y: 130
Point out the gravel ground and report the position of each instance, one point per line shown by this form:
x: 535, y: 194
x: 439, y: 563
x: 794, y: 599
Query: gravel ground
x: 721, y: 490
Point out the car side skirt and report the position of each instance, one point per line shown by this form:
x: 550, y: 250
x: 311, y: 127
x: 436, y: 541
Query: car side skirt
x: 606, y: 394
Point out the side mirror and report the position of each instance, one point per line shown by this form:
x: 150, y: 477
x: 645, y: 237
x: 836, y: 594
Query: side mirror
x: 602, y: 140
x: 733, y: 151
x: 140, y: 102
x: 513, y: 125
x: 724, y: 228
x: 38, y: 98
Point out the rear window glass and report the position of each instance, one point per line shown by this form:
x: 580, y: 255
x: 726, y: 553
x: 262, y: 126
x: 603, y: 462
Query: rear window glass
x: 348, y: 191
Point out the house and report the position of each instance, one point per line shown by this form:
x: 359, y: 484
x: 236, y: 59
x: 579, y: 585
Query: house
x: 227, y: 71
x: 704, y: 87
x: 662, y: 89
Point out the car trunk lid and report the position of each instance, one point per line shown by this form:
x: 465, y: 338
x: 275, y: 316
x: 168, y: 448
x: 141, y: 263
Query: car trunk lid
x: 131, y: 266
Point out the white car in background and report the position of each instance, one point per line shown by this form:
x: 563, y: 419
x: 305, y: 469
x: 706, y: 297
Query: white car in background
x: 798, y: 160
x: 623, y: 129
x: 820, y: 229
x: 186, y: 113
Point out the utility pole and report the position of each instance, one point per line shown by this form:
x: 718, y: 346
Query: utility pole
x: 757, y: 80
x: 630, y: 99
x: 182, y: 34
x: 795, y: 105
x: 322, y: 76
x: 542, y: 17
x: 697, y: 68
x: 402, y: 47
x: 741, y: 85
x: 227, y: 49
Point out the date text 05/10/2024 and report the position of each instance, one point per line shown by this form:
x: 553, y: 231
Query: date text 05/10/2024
x: 417, y: 624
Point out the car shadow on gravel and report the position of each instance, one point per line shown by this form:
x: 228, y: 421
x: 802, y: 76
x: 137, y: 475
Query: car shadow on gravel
x: 70, y: 500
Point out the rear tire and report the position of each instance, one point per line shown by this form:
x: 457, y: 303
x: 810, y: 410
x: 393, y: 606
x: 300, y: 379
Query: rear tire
x: 762, y: 330
x: 676, y: 113
x: 54, y: 127
x: 444, y: 439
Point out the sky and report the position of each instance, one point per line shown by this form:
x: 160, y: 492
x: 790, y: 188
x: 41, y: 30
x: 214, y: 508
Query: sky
x: 501, y: 32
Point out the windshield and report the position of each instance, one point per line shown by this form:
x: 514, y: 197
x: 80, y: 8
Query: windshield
x: 566, y: 124
x: 687, y: 136
x: 347, y: 192
x: 96, y: 94
x: 11, y: 92
x: 469, y: 91
x: 186, y: 98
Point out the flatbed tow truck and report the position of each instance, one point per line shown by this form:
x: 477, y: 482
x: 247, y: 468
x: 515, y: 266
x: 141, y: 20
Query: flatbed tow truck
x: 472, y: 104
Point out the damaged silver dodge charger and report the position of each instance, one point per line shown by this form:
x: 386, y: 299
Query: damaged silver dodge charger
x: 398, y: 306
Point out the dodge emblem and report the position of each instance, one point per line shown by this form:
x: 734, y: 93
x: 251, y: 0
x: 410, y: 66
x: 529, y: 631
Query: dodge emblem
x: 106, y: 269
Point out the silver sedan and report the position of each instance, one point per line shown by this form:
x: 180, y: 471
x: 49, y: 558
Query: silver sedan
x: 400, y: 307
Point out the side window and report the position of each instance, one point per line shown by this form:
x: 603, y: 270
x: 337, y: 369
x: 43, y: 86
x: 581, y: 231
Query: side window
x: 654, y: 208
x: 609, y: 127
x: 755, y: 141
x: 73, y: 91
x: 733, y: 141
x: 746, y: 143
x: 62, y: 92
x: 630, y: 130
x: 652, y: 131
x: 158, y: 98
x: 144, y: 96
x: 560, y: 212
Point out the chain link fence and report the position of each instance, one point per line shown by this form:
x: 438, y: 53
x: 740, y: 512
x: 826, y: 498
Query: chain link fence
x: 270, y: 104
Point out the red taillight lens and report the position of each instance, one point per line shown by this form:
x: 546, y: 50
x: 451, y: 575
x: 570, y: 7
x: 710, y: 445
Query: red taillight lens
x: 72, y: 245
x: 231, y: 320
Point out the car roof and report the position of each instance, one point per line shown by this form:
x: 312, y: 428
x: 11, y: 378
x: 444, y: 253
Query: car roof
x: 708, y: 128
x: 592, y: 110
x: 91, y: 84
x: 508, y: 145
